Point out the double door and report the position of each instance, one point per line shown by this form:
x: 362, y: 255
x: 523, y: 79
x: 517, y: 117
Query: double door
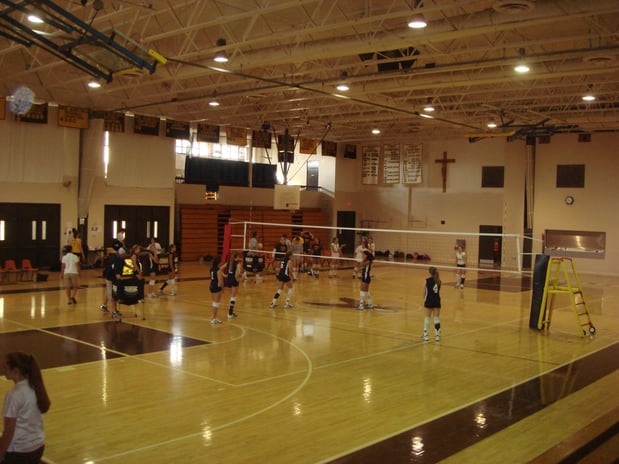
x: 140, y: 223
x: 32, y: 231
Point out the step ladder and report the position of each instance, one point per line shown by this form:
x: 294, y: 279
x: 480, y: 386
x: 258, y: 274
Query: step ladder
x: 561, y: 278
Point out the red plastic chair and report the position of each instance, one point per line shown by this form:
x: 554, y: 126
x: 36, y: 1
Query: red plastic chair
x: 11, y: 269
x: 27, y: 269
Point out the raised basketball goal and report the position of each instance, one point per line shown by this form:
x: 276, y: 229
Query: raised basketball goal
x: 287, y: 197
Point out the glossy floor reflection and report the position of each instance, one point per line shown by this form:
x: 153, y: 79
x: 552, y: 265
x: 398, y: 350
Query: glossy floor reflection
x: 443, y: 437
x: 63, y: 346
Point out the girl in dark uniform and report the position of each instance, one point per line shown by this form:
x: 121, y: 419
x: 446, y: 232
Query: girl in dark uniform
x: 366, y: 278
x: 216, y: 287
x: 232, y: 281
x: 432, y: 304
x: 283, y: 277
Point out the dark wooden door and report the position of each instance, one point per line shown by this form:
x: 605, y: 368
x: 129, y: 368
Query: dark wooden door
x: 346, y: 219
x: 32, y: 231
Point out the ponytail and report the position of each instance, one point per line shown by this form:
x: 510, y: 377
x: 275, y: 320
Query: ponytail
x: 29, y: 368
x: 435, y: 275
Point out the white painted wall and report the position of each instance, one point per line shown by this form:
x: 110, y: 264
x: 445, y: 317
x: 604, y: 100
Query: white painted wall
x: 462, y: 208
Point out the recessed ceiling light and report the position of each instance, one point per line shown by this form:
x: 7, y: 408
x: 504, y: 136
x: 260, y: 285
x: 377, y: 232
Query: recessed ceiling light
x: 417, y: 22
x: 375, y: 131
x: 522, y: 68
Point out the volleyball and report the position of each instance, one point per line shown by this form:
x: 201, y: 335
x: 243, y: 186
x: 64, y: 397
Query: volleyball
x: 21, y: 100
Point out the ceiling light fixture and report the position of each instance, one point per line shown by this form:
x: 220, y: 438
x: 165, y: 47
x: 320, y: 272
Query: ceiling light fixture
x: 35, y: 19
x: 375, y: 131
x: 94, y: 84
x: 521, y: 67
x: 343, y: 85
x: 417, y: 21
x: 589, y: 97
x: 427, y: 116
x: 491, y: 125
x: 429, y: 107
x: 221, y: 56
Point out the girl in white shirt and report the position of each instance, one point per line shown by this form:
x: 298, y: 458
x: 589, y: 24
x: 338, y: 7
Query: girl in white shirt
x: 23, y: 438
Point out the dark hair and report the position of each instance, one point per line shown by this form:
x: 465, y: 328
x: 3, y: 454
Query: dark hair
x: 434, y: 273
x: 67, y: 249
x: 216, y: 261
x: 29, y: 368
x: 368, y: 255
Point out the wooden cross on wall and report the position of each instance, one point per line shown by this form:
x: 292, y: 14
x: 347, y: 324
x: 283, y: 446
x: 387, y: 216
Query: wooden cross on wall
x: 444, y: 160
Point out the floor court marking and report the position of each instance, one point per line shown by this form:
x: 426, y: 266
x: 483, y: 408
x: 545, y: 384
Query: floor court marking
x: 233, y: 422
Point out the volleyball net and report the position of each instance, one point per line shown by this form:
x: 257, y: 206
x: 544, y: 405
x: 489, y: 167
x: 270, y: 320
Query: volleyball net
x: 484, y: 251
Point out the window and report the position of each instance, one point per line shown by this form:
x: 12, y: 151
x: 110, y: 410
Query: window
x: 570, y: 176
x: 210, y: 150
x: 493, y: 176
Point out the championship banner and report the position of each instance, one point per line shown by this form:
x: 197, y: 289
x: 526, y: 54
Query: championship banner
x: 412, y: 164
x: 350, y: 151
x: 236, y: 136
x: 36, y: 113
x: 208, y: 133
x: 177, y: 129
x: 70, y: 116
x: 391, y: 164
x: 329, y: 148
x: 369, y: 164
x: 113, y: 121
x: 261, y: 139
x: 146, y: 125
x: 307, y: 146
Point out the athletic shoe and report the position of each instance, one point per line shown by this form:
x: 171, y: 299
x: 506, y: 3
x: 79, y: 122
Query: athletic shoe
x: 116, y: 314
x: 104, y: 309
x: 233, y: 316
x: 457, y: 285
x: 73, y: 300
x: 461, y: 285
x: 272, y: 305
x: 69, y: 302
x: 437, y: 338
x: 172, y: 293
x: 152, y: 295
x: 215, y: 321
x: 369, y: 306
x: 288, y: 305
x: 360, y: 307
x: 425, y: 337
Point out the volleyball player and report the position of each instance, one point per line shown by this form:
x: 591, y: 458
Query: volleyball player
x: 366, y: 278
x: 232, y: 281
x: 432, y: 304
x: 334, y: 263
x: 283, y: 277
x: 359, y: 254
x: 460, y: 265
x: 216, y: 287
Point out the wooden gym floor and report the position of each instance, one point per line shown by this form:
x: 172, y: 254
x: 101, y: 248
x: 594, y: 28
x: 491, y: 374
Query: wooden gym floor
x: 319, y: 383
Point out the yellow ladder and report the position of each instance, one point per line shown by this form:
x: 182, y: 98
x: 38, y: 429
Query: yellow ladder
x: 561, y: 278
